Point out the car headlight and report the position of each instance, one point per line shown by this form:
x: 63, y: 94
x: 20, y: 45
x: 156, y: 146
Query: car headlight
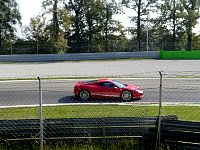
x: 140, y: 91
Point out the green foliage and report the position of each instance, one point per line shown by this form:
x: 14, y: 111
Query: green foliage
x: 170, y: 21
x: 191, y: 14
x: 58, y: 26
x: 9, y: 17
x: 88, y: 26
x: 63, y: 144
x: 196, y: 42
x: 49, y: 34
x: 142, y: 10
x: 92, y: 24
x: 35, y: 31
x: 179, y: 17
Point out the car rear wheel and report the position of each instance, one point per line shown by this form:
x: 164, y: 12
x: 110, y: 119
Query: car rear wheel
x: 84, y: 94
x: 126, y: 95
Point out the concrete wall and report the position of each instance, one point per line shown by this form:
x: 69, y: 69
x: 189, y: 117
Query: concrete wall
x: 78, y: 56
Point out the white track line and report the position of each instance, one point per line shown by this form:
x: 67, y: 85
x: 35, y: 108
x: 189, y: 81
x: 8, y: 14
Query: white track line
x: 86, y: 104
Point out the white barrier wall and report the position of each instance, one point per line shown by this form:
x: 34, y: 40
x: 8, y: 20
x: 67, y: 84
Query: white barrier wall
x: 78, y: 56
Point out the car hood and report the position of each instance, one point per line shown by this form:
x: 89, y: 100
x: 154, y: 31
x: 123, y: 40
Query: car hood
x: 78, y: 83
x: 132, y: 87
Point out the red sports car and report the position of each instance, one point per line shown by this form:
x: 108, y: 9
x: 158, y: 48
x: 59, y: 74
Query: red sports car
x: 107, y: 88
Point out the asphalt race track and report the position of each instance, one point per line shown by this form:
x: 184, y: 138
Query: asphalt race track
x: 176, y: 89
x: 179, y: 90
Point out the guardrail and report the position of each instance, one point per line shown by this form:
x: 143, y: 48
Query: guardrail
x: 174, y: 133
x: 80, y: 128
x: 79, y: 56
x: 181, y: 134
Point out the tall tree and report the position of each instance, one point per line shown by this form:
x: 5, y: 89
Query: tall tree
x: 110, y: 8
x: 191, y: 14
x: 179, y: 17
x: 94, y: 19
x: 77, y: 8
x: 36, y: 35
x: 90, y: 18
x: 169, y: 18
x: 141, y: 8
x: 99, y: 18
x: 35, y: 31
x: 59, y: 23
x: 9, y: 17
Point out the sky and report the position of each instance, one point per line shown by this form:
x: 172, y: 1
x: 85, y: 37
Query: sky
x: 33, y: 8
x: 28, y: 9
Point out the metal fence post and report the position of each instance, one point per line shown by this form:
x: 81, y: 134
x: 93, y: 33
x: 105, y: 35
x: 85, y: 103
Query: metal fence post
x: 41, y: 114
x: 158, y: 144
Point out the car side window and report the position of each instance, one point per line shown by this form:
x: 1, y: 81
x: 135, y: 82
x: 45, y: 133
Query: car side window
x: 111, y: 85
x: 103, y: 84
x: 107, y: 84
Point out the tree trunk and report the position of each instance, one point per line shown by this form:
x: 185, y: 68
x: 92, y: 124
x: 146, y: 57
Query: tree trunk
x: 174, y: 26
x: 189, y: 38
x: 0, y: 36
x: 139, y: 26
x: 55, y: 23
x: 106, y: 29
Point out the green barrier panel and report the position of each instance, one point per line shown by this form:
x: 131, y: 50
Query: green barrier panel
x: 180, y: 54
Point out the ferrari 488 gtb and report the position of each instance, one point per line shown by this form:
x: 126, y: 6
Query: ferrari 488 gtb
x: 107, y: 88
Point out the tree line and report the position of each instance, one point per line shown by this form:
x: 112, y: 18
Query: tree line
x: 89, y: 26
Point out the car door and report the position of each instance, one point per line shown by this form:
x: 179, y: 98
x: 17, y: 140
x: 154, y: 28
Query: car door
x: 108, y: 89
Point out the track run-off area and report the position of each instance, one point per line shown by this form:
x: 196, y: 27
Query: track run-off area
x: 181, y: 80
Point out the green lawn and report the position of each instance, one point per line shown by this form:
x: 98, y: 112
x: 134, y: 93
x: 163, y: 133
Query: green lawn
x: 189, y: 113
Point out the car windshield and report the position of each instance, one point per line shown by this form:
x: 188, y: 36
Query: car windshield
x: 120, y: 85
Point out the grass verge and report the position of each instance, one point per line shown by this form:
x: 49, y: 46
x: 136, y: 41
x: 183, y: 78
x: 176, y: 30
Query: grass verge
x: 73, y: 145
x: 187, y: 113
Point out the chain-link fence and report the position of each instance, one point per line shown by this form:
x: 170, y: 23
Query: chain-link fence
x: 181, y: 93
x: 65, y: 119
x: 96, y: 47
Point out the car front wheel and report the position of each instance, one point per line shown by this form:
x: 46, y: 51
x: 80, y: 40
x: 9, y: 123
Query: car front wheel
x: 84, y: 94
x: 126, y: 95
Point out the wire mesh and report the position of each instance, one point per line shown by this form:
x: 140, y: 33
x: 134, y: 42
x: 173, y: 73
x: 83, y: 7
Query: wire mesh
x: 96, y: 119
x: 181, y: 95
